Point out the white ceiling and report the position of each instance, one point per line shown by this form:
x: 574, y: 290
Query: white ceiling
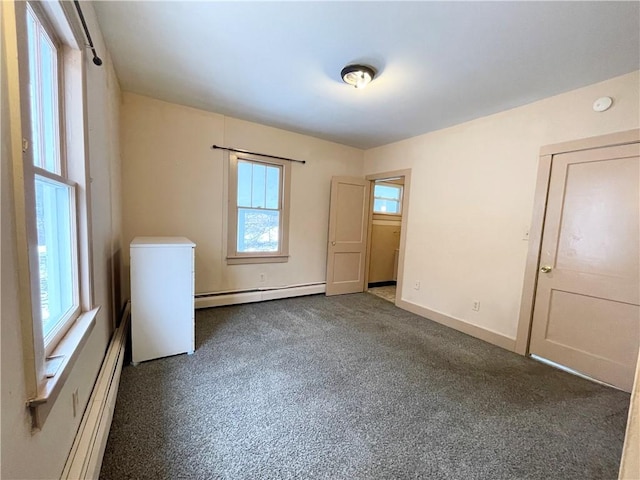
x: 438, y: 63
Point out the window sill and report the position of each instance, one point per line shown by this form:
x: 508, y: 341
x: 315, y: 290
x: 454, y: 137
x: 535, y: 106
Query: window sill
x: 68, y: 350
x: 243, y: 260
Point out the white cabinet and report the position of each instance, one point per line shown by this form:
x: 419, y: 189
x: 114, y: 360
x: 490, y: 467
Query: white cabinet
x: 162, y: 297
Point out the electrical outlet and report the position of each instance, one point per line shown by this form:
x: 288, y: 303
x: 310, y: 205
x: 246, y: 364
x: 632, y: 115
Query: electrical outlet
x: 416, y: 285
x: 476, y: 306
x: 525, y: 234
x: 263, y: 277
x: 74, y: 402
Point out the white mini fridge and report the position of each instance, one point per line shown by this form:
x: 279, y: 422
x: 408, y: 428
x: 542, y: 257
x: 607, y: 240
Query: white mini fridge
x: 162, y: 297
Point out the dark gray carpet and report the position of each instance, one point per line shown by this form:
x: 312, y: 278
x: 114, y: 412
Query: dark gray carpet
x: 351, y: 387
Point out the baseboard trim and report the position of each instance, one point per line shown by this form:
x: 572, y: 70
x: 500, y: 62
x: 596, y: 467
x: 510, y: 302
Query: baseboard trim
x: 233, y: 298
x: 85, y: 458
x: 460, y: 325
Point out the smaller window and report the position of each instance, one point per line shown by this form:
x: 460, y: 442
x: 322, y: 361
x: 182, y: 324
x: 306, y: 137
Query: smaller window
x: 258, y: 207
x: 387, y: 198
x: 258, y: 210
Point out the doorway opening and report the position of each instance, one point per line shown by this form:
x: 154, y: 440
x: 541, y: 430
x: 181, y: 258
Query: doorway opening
x: 351, y: 222
x: 386, y: 225
x: 385, y: 228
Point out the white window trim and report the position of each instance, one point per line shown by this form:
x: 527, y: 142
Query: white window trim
x: 388, y: 184
x: 43, y: 390
x: 282, y: 255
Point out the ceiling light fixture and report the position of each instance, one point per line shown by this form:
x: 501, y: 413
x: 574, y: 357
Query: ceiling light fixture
x: 357, y: 75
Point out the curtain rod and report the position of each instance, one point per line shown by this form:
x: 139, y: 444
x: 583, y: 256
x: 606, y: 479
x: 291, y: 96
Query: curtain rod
x: 216, y: 147
x: 96, y: 59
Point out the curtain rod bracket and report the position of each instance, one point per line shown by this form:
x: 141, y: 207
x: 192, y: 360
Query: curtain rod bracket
x: 96, y: 59
x: 237, y: 150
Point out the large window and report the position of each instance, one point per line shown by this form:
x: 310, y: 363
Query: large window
x: 50, y: 195
x: 55, y: 204
x: 258, y: 210
x: 387, y: 198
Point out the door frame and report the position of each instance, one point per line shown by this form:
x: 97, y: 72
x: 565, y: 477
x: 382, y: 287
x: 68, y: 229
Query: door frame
x: 406, y: 173
x: 536, y: 229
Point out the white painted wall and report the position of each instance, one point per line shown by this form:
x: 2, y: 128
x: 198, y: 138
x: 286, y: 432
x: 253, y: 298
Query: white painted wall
x: 42, y: 454
x: 472, y: 197
x: 174, y: 184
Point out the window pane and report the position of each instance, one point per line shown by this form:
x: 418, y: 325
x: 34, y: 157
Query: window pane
x: 273, y: 188
x: 43, y: 96
x: 49, y: 105
x: 258, y: 230
x: 55, y: 226
x: 244, y: 184
x: 386, y: 206
x: 386, y: 191
x: 258, y: 186
x: 34, y: 87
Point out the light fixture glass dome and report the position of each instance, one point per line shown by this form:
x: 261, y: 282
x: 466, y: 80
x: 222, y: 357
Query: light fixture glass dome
x: 357, y: 75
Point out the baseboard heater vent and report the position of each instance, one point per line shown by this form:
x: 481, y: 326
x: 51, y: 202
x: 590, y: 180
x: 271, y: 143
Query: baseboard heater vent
x: 85, y: 458
x: 218, y: 299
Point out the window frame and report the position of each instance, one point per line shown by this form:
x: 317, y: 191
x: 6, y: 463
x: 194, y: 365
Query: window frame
x: 48, y: 366
x: 60, y: 176
x: 399, y: 200
x: 234, y: 257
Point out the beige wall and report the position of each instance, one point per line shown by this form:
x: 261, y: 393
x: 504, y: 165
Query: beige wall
x: 174, y: 184
x: 472, y: 198
x: 42, y: 454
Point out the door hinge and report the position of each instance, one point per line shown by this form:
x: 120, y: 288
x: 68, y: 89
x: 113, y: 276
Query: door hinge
x: 25, y: 145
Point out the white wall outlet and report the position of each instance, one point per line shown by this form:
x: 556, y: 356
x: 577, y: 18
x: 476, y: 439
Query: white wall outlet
x: 263, y: 277
x: 416, y: 285
x: 525, y: 233
x: 476, y: 306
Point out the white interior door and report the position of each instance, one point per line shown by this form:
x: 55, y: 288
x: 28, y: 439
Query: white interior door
x: 348, y: 217
x: 586, y: 313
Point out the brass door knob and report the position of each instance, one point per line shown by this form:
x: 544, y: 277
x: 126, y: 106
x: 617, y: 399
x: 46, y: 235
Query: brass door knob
x: 545, y: 269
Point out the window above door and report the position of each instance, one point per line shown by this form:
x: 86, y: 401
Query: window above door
x: 387, y: 198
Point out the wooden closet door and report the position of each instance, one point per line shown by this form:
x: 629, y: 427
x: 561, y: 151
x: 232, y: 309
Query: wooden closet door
x: 586, y: 313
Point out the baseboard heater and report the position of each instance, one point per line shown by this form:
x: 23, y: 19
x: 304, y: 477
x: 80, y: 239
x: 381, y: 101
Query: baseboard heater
x: 85, y: 457
x: 218, y: 299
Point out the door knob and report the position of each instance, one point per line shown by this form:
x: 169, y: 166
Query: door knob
x: 545, y: 269
x: 333, y: 244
